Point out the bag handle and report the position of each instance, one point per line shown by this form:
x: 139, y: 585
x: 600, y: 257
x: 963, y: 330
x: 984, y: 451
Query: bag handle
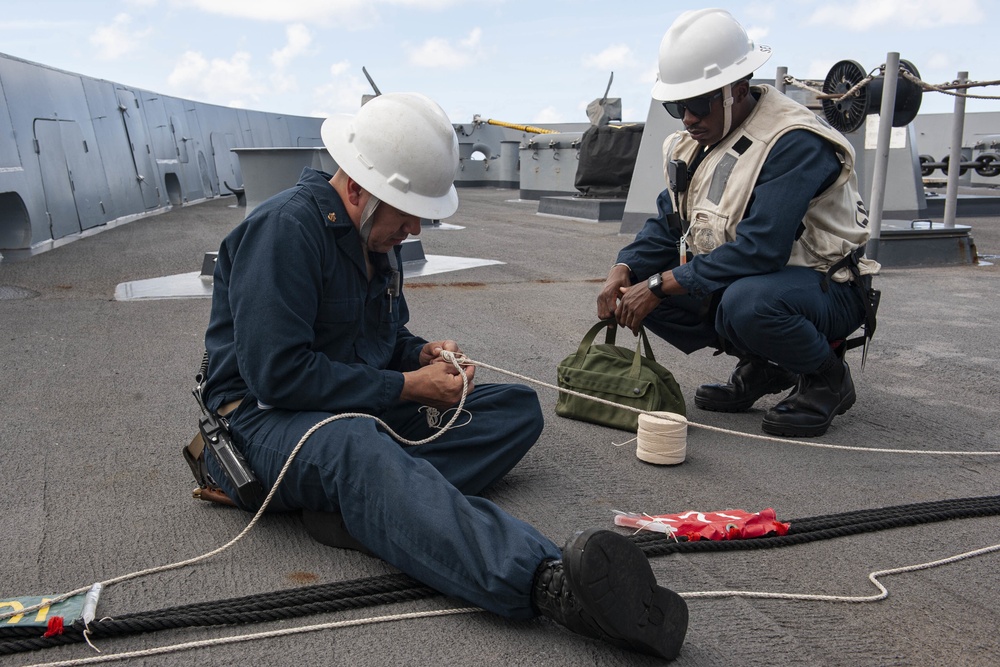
x: 609, y: 338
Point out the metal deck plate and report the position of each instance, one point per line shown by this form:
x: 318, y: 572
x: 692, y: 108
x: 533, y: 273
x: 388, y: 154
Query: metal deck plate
x: 194, y: 286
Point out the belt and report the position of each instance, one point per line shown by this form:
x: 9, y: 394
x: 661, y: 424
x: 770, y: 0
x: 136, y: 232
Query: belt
x: 228, y: 407
x: 194, y: 454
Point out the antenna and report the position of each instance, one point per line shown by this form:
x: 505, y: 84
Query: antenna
x: 374, y: 87
x: 608, y: 89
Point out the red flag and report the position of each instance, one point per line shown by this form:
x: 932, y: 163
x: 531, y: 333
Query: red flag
x: 719, y: 525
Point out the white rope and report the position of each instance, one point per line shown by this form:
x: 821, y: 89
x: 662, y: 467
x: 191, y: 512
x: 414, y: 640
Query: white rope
x: 718, y: 429
x: 458, y: 361
x: 448, y: 356
x: 173, y: 648
x: 873, y: 577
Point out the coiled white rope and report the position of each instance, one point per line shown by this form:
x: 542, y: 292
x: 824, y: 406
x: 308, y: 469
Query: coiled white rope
x: 661, y: 438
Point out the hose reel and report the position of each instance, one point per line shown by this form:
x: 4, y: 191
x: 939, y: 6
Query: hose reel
x: 849, y: 113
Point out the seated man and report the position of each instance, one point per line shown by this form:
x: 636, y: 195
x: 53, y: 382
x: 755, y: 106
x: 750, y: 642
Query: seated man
x: 764, y: 195
x: 309, y: 321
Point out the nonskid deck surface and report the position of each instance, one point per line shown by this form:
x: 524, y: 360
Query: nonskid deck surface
x: 96, y: 406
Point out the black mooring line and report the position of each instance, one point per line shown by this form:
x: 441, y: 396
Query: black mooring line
x: 388, y: 589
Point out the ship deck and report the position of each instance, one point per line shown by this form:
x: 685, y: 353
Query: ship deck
x: 96, y: 397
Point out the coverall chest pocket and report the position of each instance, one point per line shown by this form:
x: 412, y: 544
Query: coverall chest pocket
x: 338, y: 323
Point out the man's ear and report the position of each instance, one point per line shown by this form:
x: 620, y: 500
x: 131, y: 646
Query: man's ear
x: 742, y: 89
x: 354, y: 191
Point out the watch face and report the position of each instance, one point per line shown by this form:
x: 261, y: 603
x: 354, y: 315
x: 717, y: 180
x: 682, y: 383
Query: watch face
x: 654, y: 284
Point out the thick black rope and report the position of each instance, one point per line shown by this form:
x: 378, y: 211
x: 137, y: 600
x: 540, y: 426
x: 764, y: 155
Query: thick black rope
x: 372, y: 591
x: 274, y: 606
x: 824, y: 527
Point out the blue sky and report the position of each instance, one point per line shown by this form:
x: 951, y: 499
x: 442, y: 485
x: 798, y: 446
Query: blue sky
x: 510, y: 60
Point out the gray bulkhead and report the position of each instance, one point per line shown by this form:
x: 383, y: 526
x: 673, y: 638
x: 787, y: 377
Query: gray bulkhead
x: 77, y: 153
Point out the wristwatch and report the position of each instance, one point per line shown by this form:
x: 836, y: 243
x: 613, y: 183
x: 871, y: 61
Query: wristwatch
x: 655, y: 285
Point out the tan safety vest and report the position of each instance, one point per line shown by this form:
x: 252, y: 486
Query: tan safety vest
x: 836, y: 222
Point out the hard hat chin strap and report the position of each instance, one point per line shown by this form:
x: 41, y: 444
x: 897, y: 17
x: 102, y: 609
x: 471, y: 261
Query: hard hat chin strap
x: 727, y: 108
x: 367, y: 213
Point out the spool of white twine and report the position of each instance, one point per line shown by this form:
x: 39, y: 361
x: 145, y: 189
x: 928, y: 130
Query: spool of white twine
x: 661, y: 438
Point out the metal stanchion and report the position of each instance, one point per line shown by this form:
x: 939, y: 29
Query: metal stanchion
x: 955, y: 157
x: 882, y: 152
x: 779, y: 79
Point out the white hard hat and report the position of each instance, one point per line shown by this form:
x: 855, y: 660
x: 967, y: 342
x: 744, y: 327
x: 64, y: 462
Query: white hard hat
x: 401, y: 148
x: 702, y: 51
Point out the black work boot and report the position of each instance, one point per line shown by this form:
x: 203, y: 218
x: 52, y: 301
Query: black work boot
x: 820, y: 396
x: 604, y: 588
x: 752, y: 378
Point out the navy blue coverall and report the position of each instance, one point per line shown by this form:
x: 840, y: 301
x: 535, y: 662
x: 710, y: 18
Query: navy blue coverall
x: 299, y: 333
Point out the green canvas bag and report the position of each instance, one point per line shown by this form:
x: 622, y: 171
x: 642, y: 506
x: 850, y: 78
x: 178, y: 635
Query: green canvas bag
x: 615, y: 374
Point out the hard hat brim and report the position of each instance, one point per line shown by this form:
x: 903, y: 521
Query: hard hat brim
x: 336, y: 134
x: 673, y: 92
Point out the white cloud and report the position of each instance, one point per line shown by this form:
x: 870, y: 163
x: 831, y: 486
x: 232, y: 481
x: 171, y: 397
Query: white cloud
x: 549, y: 115
x: 438, y: 52
x: 342, y: 95
x: 757, y: 33
x: 299, y: 39
x: 116, y: 40
x: 764, y: 12
x: 939, y: 61
x: 424, y: 4
x: 863, y: 15
x: 615, y: 56
x: 267, y: 10
x: 218, y: 81
x: 336, y: 69
x: 816, y: 69
x: 349, y: 14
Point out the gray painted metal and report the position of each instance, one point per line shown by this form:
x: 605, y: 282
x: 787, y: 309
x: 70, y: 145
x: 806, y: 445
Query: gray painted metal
x: 591, y: 209
x: 487, y: 155
x: 924, y: 243
x: 80, y: 154
x: 268, y: 171
x: 934, y: 132
x: 548, y: 164
x: 955, y: 154
x: 492, y: 155
x: 881, y: 161
x: 648, y: 180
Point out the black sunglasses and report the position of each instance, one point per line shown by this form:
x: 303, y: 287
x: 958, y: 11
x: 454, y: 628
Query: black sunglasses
x: 698, y: 106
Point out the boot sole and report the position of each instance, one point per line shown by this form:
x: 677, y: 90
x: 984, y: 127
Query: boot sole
x: 809, y: 430
x: 735, y: 406
x: 614, y: 584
